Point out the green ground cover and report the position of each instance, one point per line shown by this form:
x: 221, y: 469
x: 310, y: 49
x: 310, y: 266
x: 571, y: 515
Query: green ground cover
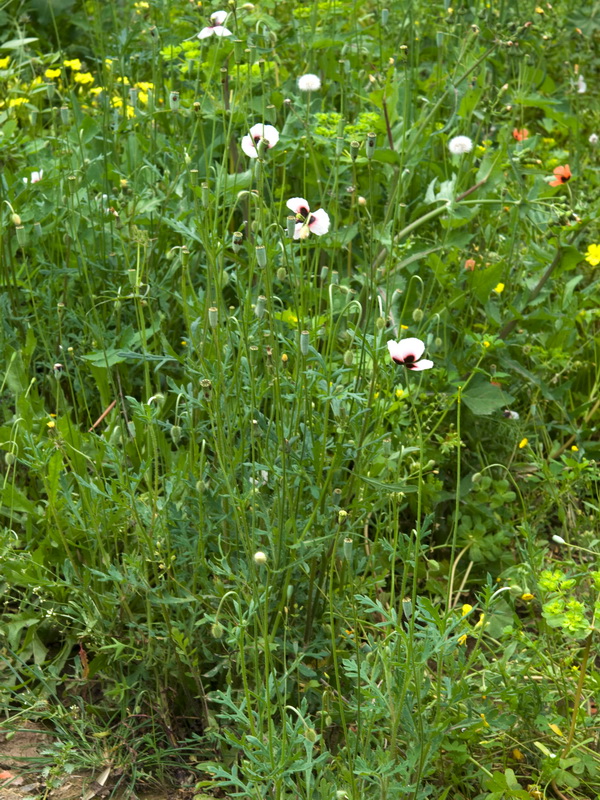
x: 300, y: 395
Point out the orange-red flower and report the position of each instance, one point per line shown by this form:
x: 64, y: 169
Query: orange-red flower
x: 520, y: 134
x: 470, y: 264
x: 563, y: 174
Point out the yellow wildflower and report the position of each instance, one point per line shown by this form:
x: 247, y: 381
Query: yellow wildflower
x: 539, y: 10
x: 96, y: 90
x: 36, y: 82
x: 142, y: 4
x: 523, y: 443
x: 51, y: 424
x: 145, y: 86
x: 16, y: 101
x: 486, y: 344
x: 462, y: 639
x: 518, y: 755
x: 73, y: 63
x: 124, y: 182
x: 499, y: 288
x: 592, y: 255
x: 466, y: 609
x: 52, y: 73
x: 4, y: 62
x: 526, y: 596
x: 403, y: 327
x: 399, y: 394
x: 574, y: 448
x: 84, y: 77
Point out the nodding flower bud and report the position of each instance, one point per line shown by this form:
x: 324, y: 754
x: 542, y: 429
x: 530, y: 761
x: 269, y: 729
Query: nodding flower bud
x: 291, y: 226
x: 176, y: 433
x: 194, y: 177
x: 304, y: 342
x: 261, y: 255
x: 371, y: 144
x: 380, y: 323
x: 354, y: 148
x: 174, y: 101
x: 385, y: 15
x: 15, y: 219
x: 281, y: 274
x: 213, y: 316
x: 476, y: 477
x: 558, y: 539
x: 262, y: 148
x: 261, y: 303
x: 260, y: 558
x: 348, y: 358
x: 236, y: 241
x: 217, y: 630
x: 417, y: 315
x: 205, y: 195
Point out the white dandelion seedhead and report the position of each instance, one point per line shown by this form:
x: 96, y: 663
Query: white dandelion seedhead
x: 309, y: 82
x: 460, y: 145
x: 593, y: 140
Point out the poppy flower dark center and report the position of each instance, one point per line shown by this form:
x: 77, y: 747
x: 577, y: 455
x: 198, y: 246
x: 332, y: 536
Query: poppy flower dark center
x: 257, y: 139
x: 410, y: 359
x: 564, y: 178
x: 303, y: 214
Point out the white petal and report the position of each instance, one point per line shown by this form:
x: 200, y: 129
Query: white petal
x: 218, y: 18
x: 319, y: 223
x: 406, y: 347
x: 424, y: 363
x: 221, y: 31
x: 297, y: 204
x: 248, y: 147
x: 267, y: 132
x: 25, y: 180
x: 298, y: 231
x: 205, y: 33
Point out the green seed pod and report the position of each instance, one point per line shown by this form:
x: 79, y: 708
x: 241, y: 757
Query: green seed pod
x: 22, y: 237
x: 236, y: 242
x: 291, y: 226
x: 304, y: 342
x: 213, y: 316
x: 354, y: 148
x: 261, y: 255
x: 194, y: 177
x: 174, y: 101
x: 347, y: 546
x: 260, y: 306
x: 371, y: 144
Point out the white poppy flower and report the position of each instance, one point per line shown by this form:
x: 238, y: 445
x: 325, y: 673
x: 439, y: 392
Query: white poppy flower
x: 308, y: 221
x: 309, y: 82
x: 581, y: 85
x: 258, y: 132
x: 593, y: 140
x: 35, y: 176
x: 460, y: 145
x: 217, y: 19
x: 408, y: 352
x: 508, y: 414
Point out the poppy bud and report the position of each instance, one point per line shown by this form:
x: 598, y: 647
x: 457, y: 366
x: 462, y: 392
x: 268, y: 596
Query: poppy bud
x: 348, y: 358
x: 281, y: 274
x: 175, y: 433
x: 217, y: 630
x: 261, y: 255
x: 15, y: 219
x: 10, y: 459
x: 417, y: 315
x: 260, y: 558
x: 310, y: 734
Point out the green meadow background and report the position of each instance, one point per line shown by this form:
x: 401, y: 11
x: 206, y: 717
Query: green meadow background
x: 241, y: 549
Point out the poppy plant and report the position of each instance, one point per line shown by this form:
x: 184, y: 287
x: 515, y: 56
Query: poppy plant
x: 520, y: 134
x: 308, y: 221
x: 258, y: 132
x: 35, y: 176
x: 217, y: 19
x: 562, y: 175
x: 408, y: 352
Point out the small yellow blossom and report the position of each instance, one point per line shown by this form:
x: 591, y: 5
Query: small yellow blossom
x: 526, y: 596
x: 466, y: 609
x: 4, y: 62
x: 486, y: 343
x: 484, y: 720
x: 574, y: 448
x: 96, y: 90
x: 523, y: 443
x: 16, y: 101
x: 539, y: 10
x: 36, y: 82
x: 555, y: 729
x: 52, y: 73
x: 400, y: 394
x: 73, y: 63
x: 376, y: 395
x: 518, y: 755
x: 183, y: 342
x: 284, y: 357
x: 84, y: 77
x: 403, y: 327
x: 51, y: 424
x: 592, y: 255
x: 124, y: 183
x: 499, y: 288
x: 142, y: 4
x: 462, y: 639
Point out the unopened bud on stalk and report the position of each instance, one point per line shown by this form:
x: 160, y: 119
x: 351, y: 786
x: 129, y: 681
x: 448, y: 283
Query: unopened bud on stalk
x: 476, y: 477
x: 261, y: 255
x: 217, y: 630
x: 558, y: 539
x: 213, y: 316
x: 281, y: 274
x: 348, y: 358
x: 417, y: 315
x: 260, y: 558
x: 261, y: 303
x: 176, y: 433
x: 438, y: 342
x: 310, y: 735
x: 304, y: 342
x: 10, y: 459
x: 236, y: 241
x: 291, y: 226
x: 371, y: 144
x: 15, y: 219
x: 380, y: 323
x: 354, y: 148
x: 174, y: 101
